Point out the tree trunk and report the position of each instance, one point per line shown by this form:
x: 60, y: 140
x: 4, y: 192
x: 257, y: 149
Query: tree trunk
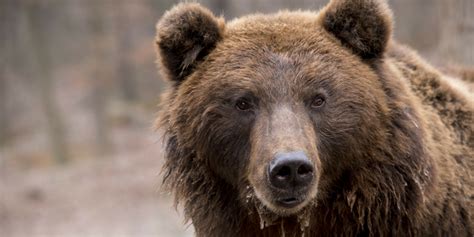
x: 40, y: 52
x: 457, y: 31
x: 5, y: 21
x: 100, y: 93
x: 125, y: 67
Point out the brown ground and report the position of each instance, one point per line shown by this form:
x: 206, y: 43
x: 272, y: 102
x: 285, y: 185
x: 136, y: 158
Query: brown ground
x: 116, y: 196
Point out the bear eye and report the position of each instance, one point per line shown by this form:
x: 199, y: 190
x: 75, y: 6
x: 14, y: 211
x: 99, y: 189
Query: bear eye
x: 317, y: 102
x: 243, y: 105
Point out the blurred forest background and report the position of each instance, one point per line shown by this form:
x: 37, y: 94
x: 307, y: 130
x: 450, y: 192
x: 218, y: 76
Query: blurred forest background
x: 79, y: 91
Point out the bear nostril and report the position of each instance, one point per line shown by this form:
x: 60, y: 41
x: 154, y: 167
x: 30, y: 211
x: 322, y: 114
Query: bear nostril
x: 305, y: 169
x: 284, y: 172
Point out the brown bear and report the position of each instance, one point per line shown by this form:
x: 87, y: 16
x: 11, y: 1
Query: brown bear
x: 312, y: 124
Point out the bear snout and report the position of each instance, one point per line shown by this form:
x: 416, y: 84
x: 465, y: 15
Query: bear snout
x: 290, y: 173
x: 290, y: 170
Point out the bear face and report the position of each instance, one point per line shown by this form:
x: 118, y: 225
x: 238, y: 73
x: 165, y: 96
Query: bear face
x: 277, y: 102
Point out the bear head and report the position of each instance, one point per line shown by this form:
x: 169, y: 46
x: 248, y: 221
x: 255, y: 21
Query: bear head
x: 279, y: 108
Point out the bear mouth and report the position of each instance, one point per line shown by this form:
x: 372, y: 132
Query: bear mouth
x: 289, y: 202
x: 280, y: 202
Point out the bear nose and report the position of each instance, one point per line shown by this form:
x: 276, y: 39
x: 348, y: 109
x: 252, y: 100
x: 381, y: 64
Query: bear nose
x: 291, y: 170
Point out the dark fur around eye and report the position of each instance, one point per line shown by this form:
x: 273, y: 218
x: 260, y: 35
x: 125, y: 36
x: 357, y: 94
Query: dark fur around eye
x: 317, y: 101
x: 243, y: 104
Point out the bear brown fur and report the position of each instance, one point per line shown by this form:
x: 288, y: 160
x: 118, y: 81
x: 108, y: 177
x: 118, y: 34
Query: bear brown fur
x: 389, y: 137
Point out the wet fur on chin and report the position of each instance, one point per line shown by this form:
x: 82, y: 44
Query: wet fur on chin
x: 269, y: 200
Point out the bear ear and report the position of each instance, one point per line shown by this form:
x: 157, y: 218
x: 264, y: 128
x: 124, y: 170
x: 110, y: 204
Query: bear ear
x: 364, y: 26
x: 185, y: 35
